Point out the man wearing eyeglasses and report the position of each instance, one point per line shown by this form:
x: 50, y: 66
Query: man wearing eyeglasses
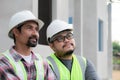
x: 66, y: 65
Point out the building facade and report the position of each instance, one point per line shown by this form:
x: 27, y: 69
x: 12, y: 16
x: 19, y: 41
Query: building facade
x: 92, y: 28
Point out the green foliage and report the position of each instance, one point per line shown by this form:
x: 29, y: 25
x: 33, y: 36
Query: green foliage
x: 116, y: 52
x: 116, y: 60
x: 116, y: 47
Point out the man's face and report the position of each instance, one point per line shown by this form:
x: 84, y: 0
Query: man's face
x: 28, y: 35
x: 63, y: 44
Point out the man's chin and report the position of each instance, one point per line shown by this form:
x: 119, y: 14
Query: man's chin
x: 69, y: 52
x: 32, y: 44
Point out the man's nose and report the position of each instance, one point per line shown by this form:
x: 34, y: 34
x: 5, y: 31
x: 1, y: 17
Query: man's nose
x: 65, y: 38
x: 35, y: 32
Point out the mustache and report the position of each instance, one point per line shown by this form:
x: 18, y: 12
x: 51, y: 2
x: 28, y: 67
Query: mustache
x: 66, y: 44
x: 33, y: 37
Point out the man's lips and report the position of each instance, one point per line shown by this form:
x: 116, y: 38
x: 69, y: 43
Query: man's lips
x: 68, y: 45
x: 33, y: 39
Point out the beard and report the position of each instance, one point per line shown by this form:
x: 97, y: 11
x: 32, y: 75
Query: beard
x: 31, y: 43
x: 69, y: 53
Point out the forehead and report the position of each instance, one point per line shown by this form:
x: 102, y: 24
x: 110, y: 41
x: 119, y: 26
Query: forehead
x: 29, y: 24
x: 31, y: 21
x: 64, y: 32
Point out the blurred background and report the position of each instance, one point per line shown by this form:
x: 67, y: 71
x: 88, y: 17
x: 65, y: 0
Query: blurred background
x: 96, y: 29
x: 116, y: 38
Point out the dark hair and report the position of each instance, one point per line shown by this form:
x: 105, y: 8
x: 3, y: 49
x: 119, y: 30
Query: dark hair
x: 18, y: 27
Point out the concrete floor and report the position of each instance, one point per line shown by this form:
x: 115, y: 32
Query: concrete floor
x: 116, y: 75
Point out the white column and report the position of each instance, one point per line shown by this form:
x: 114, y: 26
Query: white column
x: 60, y: 9
x: 78, y: 24
x: 35, y: 7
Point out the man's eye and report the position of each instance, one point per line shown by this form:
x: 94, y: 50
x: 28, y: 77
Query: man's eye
x: 37, y: 29
x: 60, y: 38
x: 28, y: 27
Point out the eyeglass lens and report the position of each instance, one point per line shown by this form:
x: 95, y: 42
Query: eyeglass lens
x: 62, y: 38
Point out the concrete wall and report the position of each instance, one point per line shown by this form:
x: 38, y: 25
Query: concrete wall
x: 110, y: 47
x: 78, y: 26
x: 105, y: 57
x: 60, y: 9
x: 85, y: 15
x: 7, y: 9
x: 90, y: 30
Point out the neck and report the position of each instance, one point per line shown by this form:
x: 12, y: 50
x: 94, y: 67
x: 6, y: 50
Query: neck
x: 67, y: 57
x: 23, y: 50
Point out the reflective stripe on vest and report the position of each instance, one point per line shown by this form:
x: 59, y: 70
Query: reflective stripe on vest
x: 82, y: 62
x: 20, y: 70
x: 62, y: 73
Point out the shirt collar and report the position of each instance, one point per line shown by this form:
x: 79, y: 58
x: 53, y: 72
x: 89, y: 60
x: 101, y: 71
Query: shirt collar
x: 18, y: 57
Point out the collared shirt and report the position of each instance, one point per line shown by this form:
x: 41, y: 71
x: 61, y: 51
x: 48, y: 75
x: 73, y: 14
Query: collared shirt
x: 8, y: 73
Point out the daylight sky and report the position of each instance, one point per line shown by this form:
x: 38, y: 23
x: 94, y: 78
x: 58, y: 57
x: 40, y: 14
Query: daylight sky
x: 116, y: 21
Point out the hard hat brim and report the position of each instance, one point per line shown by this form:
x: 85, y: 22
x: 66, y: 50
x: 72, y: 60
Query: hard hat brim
x: 40, y: 23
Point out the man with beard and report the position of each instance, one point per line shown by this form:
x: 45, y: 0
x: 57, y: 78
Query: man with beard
x: 20, y: 62
x: 66, y: 65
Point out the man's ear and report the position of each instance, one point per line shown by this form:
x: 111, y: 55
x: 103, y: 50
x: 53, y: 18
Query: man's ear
x: 51, y: 46
x: 15, y: 32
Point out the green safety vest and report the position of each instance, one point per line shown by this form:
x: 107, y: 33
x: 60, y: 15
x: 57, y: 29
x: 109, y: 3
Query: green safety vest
x: 20, y: 69
x: 62, y: 73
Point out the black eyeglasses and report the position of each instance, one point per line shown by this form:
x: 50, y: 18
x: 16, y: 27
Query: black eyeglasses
x: 62, y: 38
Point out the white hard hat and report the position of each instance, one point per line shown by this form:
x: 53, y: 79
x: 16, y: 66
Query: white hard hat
x: 22, y: 17
x: 57, y: 26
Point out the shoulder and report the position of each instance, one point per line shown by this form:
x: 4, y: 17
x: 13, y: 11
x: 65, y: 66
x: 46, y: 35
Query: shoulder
x: 42, y: 59
x: 80, y: 58
x: 89, y: 63
x: 3, y: 58
x: 4, y: 62
x: 45, y: 63
x: 90, y: 73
